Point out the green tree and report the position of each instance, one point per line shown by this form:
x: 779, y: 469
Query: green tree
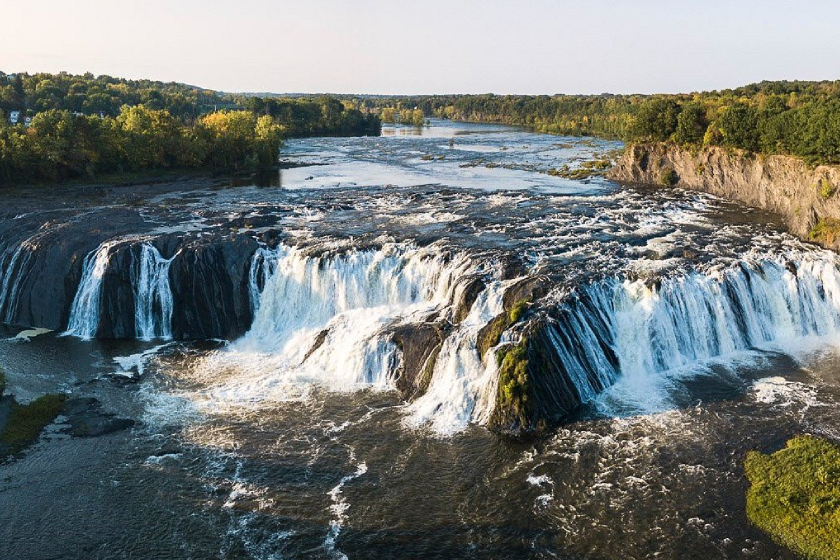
x: 691, y: 124
x: 656, y: 119
x: 739, y: 125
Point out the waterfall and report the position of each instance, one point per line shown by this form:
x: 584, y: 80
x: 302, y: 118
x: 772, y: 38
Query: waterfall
x: 149, y: 278
x: 324, y: 321
x: 13, y: 263
x: 152, y: 294
x: 629, y: 334
x: 463, y: 387
x: 84, y: 313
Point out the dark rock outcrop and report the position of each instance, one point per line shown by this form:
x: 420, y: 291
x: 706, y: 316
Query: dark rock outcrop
x: 87, y: 418
x: 420, y: 345
x: 209, y: 280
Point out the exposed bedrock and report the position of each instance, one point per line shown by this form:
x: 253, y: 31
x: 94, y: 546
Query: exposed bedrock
x: 209, y: 280
x: 172, y: 286
x: 806, y: 198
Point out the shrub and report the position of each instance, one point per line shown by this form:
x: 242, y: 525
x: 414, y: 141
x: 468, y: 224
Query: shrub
x: 826, y: 231
x: 826, y: 189
x: 669, y: 178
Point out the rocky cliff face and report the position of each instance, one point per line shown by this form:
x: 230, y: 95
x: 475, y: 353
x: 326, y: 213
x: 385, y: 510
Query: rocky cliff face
x: 807, y: 199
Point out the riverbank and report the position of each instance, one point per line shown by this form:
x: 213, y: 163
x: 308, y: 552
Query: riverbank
x: 805, y: 197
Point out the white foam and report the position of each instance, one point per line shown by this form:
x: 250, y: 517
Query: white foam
x: 339, y: 509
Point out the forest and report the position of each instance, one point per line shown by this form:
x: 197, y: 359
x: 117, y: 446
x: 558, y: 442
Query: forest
x: 785, y: 117
x: 86, y: 127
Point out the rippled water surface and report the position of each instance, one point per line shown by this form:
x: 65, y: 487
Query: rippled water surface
x: 242, y: 452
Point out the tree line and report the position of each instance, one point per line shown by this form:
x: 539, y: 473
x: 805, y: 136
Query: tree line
x: 85, y: 126
x: 784, y: 117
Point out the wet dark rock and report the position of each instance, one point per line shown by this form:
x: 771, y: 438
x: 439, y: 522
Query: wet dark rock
x: 209, y: 279
x: 420, y: 345
x: 467, y: 298
x: 319, y: 341
x: 116, y: 314
x: 87, y: 418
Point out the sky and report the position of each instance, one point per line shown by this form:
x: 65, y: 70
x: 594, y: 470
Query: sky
x: 433, y: 46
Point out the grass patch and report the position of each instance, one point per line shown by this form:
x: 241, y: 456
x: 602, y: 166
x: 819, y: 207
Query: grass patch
x: 26, y: 421
x: 795, y: 496
x: 826, y: 231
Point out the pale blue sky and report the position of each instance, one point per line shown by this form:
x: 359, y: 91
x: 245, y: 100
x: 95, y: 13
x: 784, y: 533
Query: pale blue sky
x: 434, y: 46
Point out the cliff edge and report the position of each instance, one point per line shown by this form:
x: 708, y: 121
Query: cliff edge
x: 807, y: 199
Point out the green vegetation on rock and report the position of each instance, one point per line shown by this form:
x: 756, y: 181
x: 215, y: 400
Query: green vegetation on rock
x: 26, y: 421
x: 826, y: 189
x: 826, y: 231
x: 491, y: 334
x: 587, y: 169
x: 513, y: 381
x: 795, y: 496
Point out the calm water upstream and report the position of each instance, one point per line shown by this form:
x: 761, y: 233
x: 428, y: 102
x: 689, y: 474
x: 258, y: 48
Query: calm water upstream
x: 290, y: 441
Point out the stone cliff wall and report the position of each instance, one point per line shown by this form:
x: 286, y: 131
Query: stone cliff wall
x: 807, y: 199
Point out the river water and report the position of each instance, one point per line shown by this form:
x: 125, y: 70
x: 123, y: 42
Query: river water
x: 275, y: 445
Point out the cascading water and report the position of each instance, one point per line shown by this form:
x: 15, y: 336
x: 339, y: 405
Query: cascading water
x: 463, y: 387
x: 627, y: 334
x: 14, y: 263
x: 84, y: 313
x: 149, y: 277
x: 152, y: 294
x: 324, y: 320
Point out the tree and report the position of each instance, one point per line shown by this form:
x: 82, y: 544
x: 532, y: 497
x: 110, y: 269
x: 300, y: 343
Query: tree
x: 691, y: 124
x: 656, y: 119
x: 739, y: 125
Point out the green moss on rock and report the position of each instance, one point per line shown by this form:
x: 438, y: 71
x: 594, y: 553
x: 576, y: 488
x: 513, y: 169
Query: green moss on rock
x: 511, y: 411
x: 26, y: 421
x: 795, y: 496
x: 517, y: 311
x: 491, y: 334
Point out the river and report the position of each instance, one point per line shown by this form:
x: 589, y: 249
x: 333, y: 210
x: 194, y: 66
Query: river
x: 251, y: 331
